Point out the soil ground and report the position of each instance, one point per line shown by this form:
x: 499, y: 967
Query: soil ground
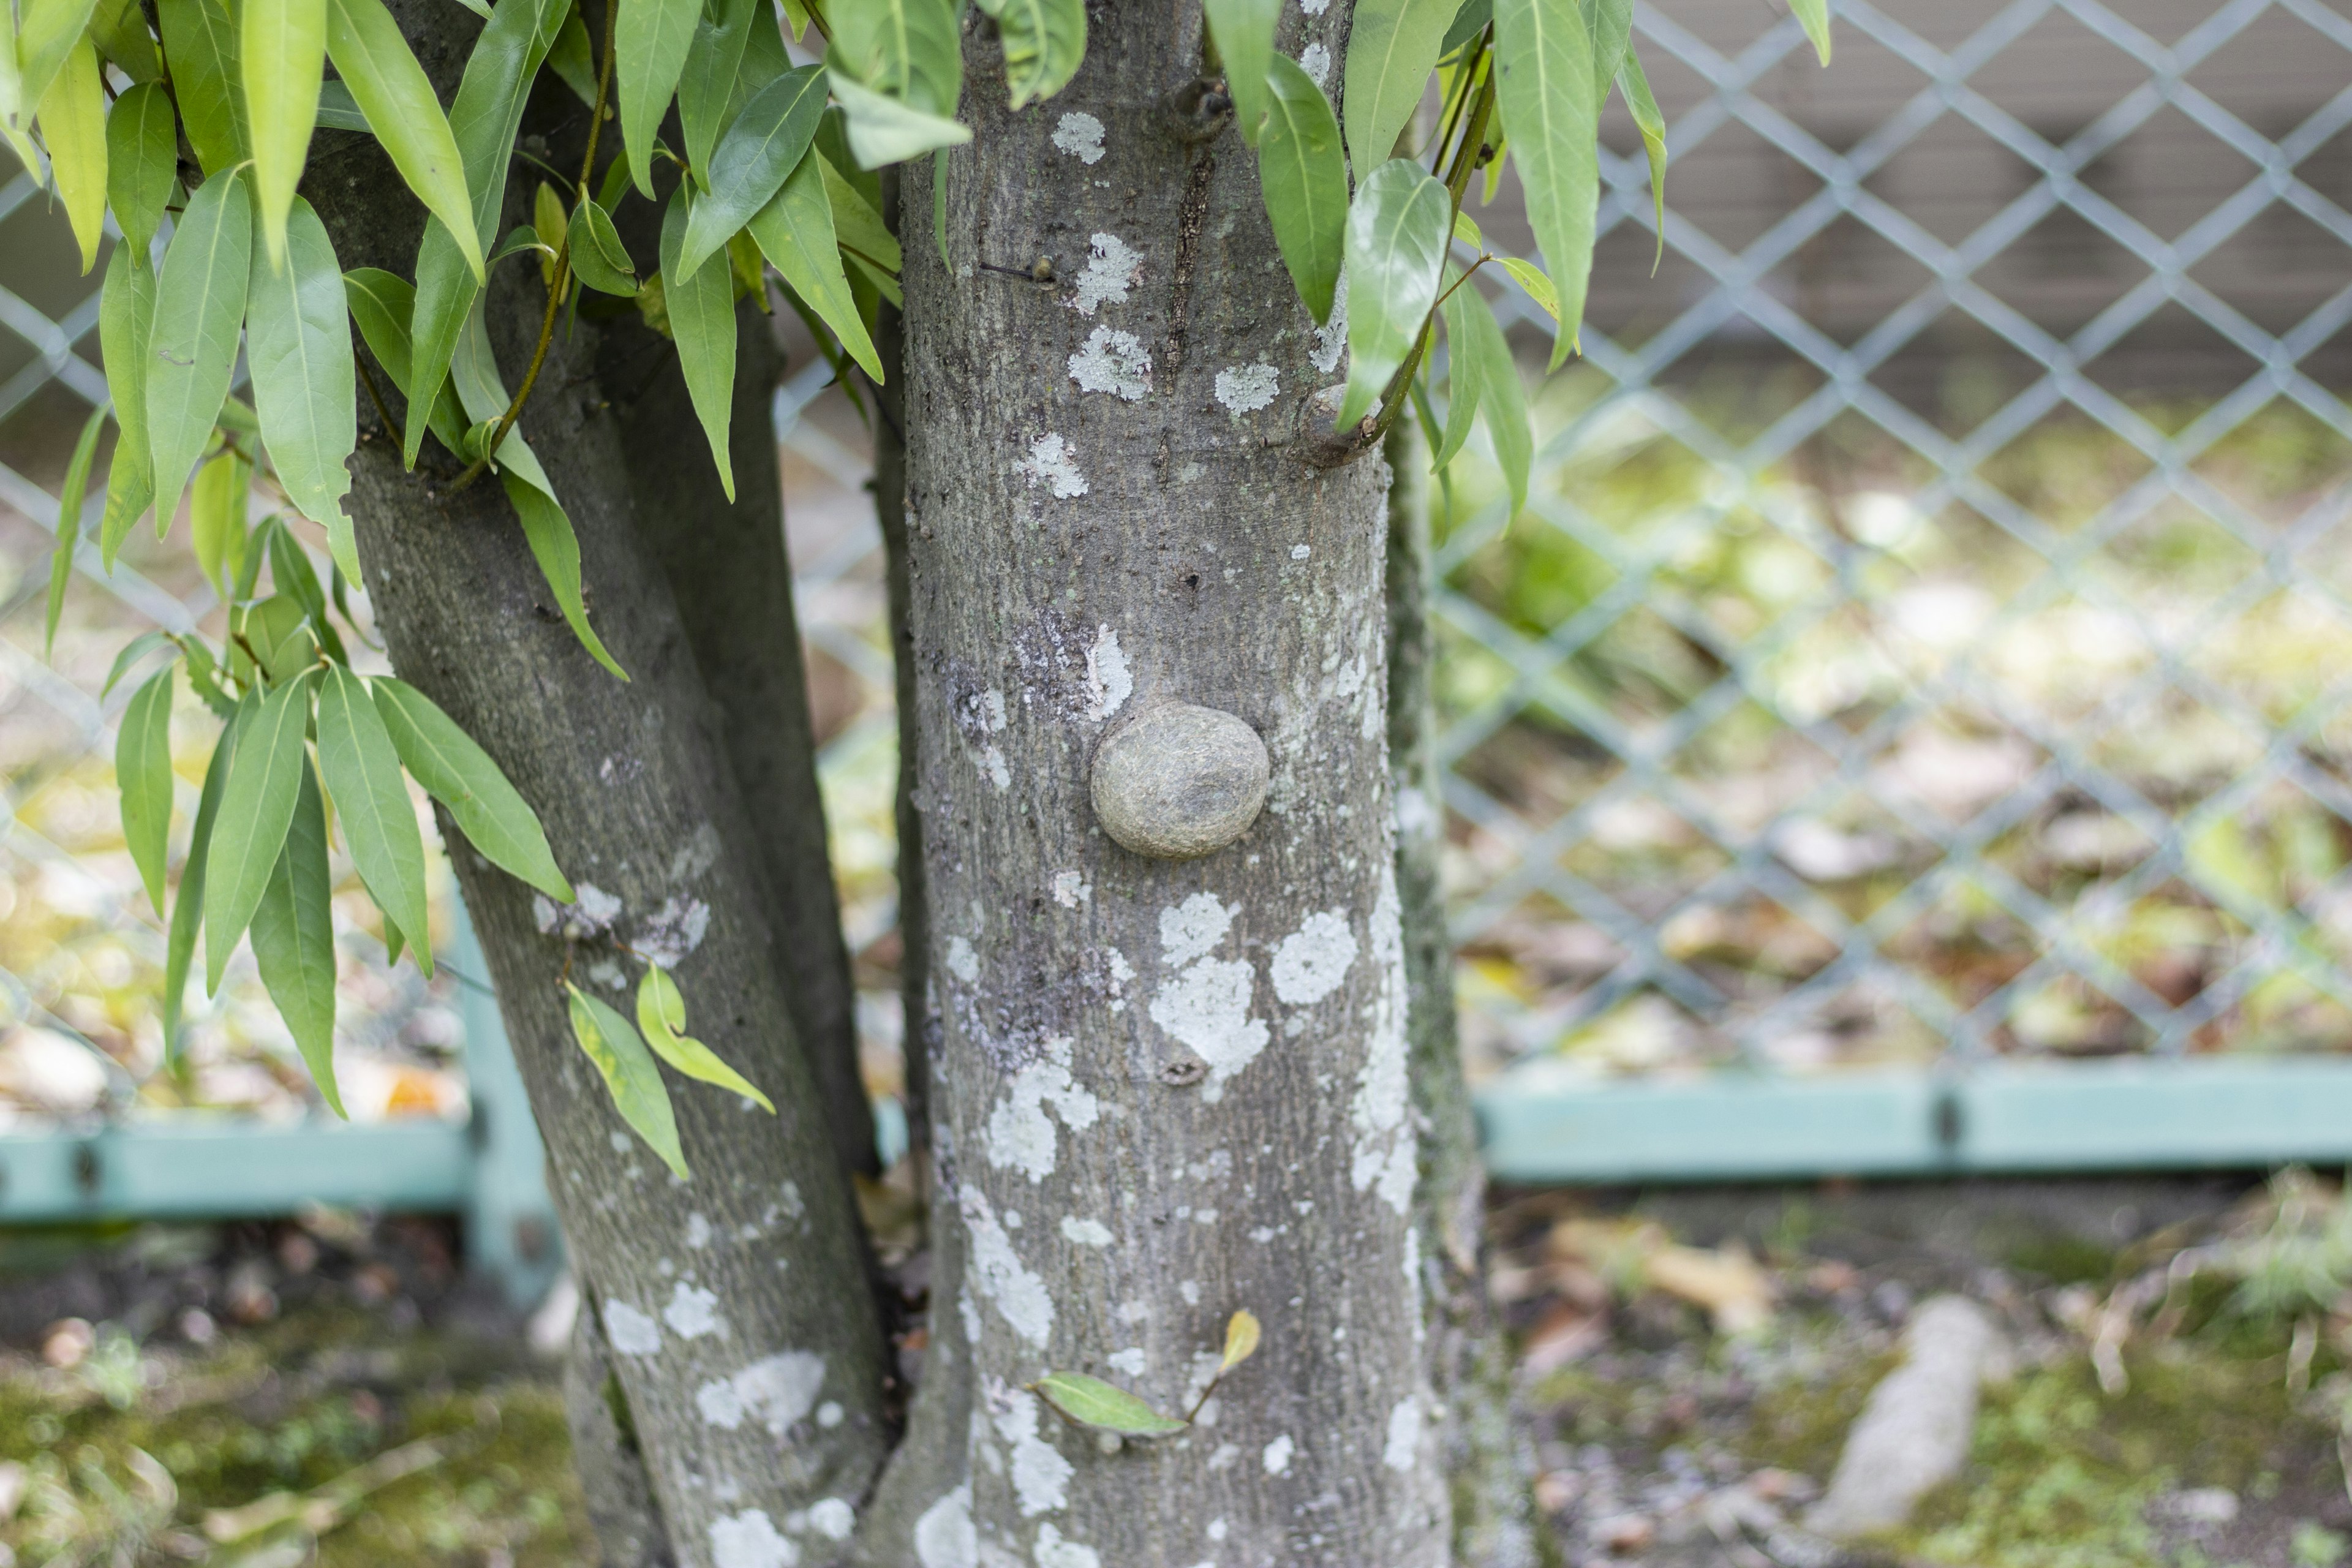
x: 332, y: 1391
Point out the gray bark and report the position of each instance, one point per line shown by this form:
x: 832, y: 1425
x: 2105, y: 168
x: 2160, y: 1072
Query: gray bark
x: 606, y: 1454
x: 1165, y: 1090
x: 754, y: 1380
x: 1469, y: 1359
x: 728, y: 569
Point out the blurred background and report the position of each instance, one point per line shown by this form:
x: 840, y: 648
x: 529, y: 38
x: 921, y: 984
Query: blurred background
x: 1924, y: 654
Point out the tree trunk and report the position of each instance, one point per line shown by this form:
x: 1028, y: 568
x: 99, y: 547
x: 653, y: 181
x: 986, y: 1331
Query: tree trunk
x: 752, y: 1381
x: 1167, y: 1090
x: 1469, y: 1362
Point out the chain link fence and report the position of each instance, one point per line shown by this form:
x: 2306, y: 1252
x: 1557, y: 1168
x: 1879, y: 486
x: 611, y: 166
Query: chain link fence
x: 1926, y: 639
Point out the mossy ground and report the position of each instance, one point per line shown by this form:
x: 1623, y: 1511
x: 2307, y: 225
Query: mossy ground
x: 135, y: 1454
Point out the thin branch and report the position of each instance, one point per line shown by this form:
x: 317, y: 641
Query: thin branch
x: 561, y: 279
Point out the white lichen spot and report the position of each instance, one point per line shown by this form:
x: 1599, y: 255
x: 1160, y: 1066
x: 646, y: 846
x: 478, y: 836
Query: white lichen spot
x: 775, y: 1391
x: 1190, y: 1291
x: 793, y: 1203
x: 1315, y: 7
x: 1207, y: 1008
x: 630, y: 1331
x: 1085, y: 1232
x: 1019, y: 1296
x: 1020, y: 1133
x: 1130, y: 1361
x: 1053, y: 462
x: 1277, y: 1455
x: 943, y: 1535
x: 592, y: 910
x: 698, y: 1230
x: 1111, y: 267
x: 1040, y: 1477
x: 693, y: 1312
x: 1190, y: 929
x: 1052, y: 1551
x: 1080, y: 135
x: 1301, y: 551
x: 749, y: 1540
x: 1311, y: 961
x: 993, y: 764
x: 545, y: 914
x: 834, y: 1518
x: 962, y: 962
x: 1331, y: 337
x: 1316, y: 61
x: 674, y: 931
x: 608, y: 973
x: 829, y: 1415
x: 1384, y: 1156
x: 1071, y: 889
x: 1404, y: 1450
x: 1217, y: 1530
x: 1113, y: 362
x: 1245, y: 388
x: 1109, y: 682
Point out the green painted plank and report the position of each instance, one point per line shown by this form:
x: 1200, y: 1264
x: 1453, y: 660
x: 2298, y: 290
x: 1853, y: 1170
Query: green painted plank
x: 207, y: 1167
x: 1545, y: 1123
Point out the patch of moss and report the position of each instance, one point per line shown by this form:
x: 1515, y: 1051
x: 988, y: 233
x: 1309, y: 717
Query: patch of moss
x: 2060, y: 1258
x: 1800, y: 1425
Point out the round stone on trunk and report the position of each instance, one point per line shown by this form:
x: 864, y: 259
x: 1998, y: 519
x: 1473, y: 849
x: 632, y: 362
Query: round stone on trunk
x: 1179, y: 781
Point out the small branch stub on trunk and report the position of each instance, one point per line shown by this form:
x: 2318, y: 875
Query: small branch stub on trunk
x: 1179, y: 781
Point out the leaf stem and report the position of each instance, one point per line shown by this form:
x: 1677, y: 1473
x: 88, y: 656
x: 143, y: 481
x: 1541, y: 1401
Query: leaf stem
x: 563, y: 275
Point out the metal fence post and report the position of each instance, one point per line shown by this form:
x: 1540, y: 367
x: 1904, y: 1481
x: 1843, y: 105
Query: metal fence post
x: 511, y: 1229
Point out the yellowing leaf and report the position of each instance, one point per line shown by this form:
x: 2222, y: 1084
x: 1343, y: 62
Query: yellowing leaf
x: 73, y: 124
x: 661, y: 1013
x: 1241, y: 1341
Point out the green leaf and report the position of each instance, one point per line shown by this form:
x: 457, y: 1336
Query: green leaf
x: 661, y: 1013
x: 294, y: 938
x: 1543, y: 66
x: 1814, y: 15
x: 794, y: 231
x: 256, y: 806
x: 458, y: 774
x: 548, y: 532
x: 217, y: 505
x: 1243, y: 33
x: 202, y: 44
x: 1652, y: 124
x: 362, y: 770
x: 1462, y: 369
x: 857, y: 226
x: 47, y: 32
x: 1474, y: 15
x: 339, y: 110
x: 766, y: 142
x: 1531, y: 279
x: 573, y: 57
x: 1392, y: 47
x: 282, y: 48
x: 187, y: 914
x: 599, y: 259
x: 474, y: 371
x: 1303, y: 176
x: 1610, y: 23
x: 651, y: 39
x: 630, y: 1075
x: 199, y: 305
x: 126, y: 321
x: 708, y: 80
x: 299, y: 349
x: 1045, y: 41
x: 702, y: 319
x: 389, y: 88
x: 380, y: 302
x: 119, y: 27
x: 73, y: 127
x: 1501, y: 399
x: 134, y: 650
x: 71, y: 498
x: 141, y: 139
x: 12, y: 96
x: 885, y: 130
x: 143, y: 773
x: 910, y: 51
x: 1091, y: 1402
x: 1396, y: 247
